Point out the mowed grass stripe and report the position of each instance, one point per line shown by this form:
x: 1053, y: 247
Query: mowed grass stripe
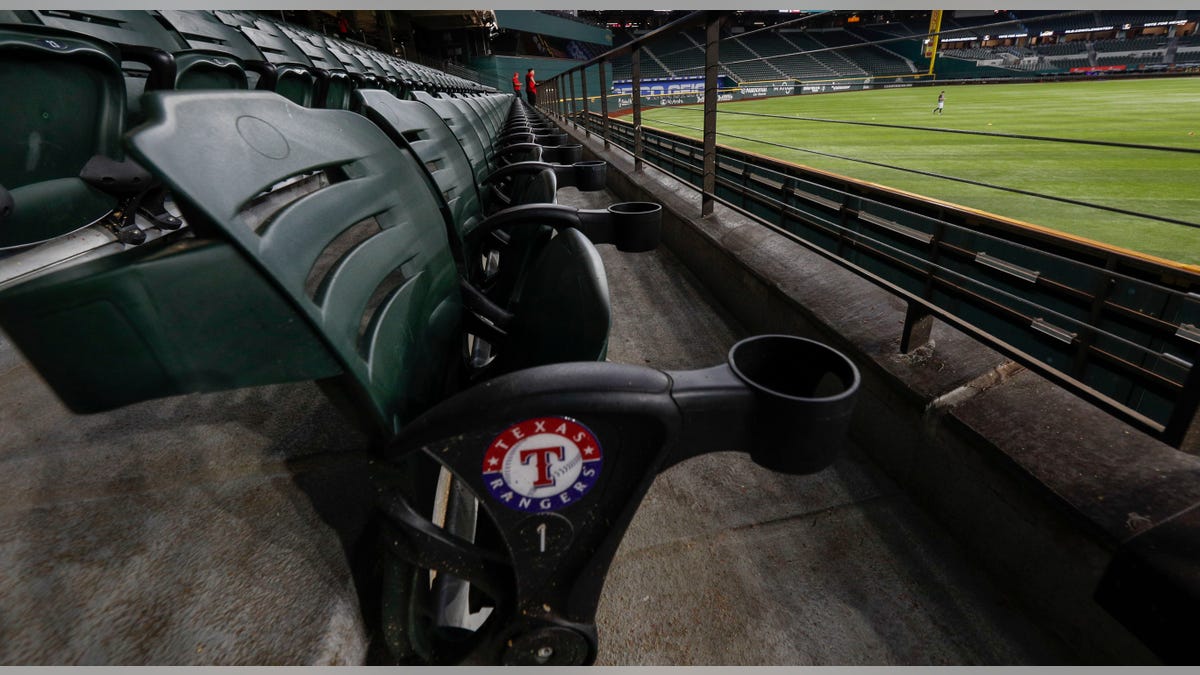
x: 1153, y: 112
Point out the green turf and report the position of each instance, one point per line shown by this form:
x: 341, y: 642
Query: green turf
x: 1158, y: 112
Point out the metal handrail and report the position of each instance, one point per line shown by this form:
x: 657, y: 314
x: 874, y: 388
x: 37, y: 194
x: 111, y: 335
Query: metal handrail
x: 1053, y: 303
x: 856, y: 214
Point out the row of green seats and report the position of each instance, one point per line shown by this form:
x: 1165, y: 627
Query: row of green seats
x: 323, y: 247
x: 81, y: 74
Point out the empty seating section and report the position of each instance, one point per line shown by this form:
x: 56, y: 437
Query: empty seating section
x: 1063, y: 48
x: 681, y: 56
x: 1138, y: 19
x: 1129, y: 61
x: 1058, y: 56
x: 398, y: 234
x: 400, y: 250
x: 782, y: 54
x: 977, y: 53
x: 751, y: 67
x: 1070, y: 62
x: 62, y: 166
x: 828, y: 53
x: 971, y: 22
x: 814, y: 64
x: 865, y: 59
x: 1133, y: 45
x: 1076, y: 21
x: 883, y: 31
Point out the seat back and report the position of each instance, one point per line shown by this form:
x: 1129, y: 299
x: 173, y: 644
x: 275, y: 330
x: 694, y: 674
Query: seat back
x: 121, y: 28
x: 478, y: 108
x: 359, y: 258
x: 296, y: 77
x: 364, y: 75
x: 336, y: 84
x: 477, y: 146
x: 63, y: 102
x: 202, y: 69
x: 564, y: 307
x: 416, y: 126
x: 216, y: 54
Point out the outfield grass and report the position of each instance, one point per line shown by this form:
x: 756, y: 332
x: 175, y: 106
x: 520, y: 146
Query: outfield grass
x: 1154, y: 112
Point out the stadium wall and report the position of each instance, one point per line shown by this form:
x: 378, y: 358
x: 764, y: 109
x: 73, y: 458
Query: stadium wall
x: 497, y: 71
x: 530, y: 21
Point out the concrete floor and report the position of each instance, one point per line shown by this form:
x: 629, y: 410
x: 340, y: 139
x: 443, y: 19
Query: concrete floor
x: 207, y: 529
x: 729, y: 563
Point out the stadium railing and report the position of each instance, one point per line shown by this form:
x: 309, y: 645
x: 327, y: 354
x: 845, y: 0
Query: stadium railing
x: 1119, y: 330
x: 1056, y: 305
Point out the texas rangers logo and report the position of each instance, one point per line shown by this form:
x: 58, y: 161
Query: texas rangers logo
x: 542, y: 464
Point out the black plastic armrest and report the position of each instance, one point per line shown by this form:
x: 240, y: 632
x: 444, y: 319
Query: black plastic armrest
x: 516, y: 137
x: 520, y: 147
x: 162, y: 65
x: 785, y: 401
x: 587, y: 176
x: 630, y: 226
x: 519, y: 168
x: 475, y: 301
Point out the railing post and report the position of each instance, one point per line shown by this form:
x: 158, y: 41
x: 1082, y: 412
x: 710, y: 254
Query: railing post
x: 1182, y: 429
x: 583, y: 86
x: 603, y: 102
x: 918, y: 326
x: 574, y: 107
x: 636, y: 59
x: 711, y: 53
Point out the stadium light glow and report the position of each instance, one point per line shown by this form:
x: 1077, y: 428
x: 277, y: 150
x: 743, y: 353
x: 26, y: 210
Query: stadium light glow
x: 1046, y: 33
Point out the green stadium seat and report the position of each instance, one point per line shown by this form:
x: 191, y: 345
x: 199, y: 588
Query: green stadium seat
x: 389, y: 309
x: 64, y: 104
x: 286, y: 70
x: 336, y: 84
x: 418, y: 128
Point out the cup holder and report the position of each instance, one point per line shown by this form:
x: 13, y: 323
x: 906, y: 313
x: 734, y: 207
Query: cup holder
x: 563, y: 154
x: 804, y: 395
x: 637, y: 226
x: 591, y: 175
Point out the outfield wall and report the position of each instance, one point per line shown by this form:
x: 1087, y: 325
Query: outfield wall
x: 621, y: 103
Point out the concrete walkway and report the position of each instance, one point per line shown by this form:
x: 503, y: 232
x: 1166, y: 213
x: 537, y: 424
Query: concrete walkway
x: 729, y: 563
x: 208, y: 529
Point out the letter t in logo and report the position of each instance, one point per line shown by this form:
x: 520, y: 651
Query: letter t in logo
x: 541, y: 459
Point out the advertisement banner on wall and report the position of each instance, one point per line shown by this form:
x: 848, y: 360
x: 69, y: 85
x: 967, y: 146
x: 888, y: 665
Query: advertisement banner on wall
x: 1099, y: 69
x: 769, y: 88
x: 695, y: 85
x: 830, y: 87
x: 622, y: 99
x: 668, y: 86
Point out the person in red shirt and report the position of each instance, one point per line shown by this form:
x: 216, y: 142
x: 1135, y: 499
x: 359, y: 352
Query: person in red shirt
x: 531, y: 87
x: 517, y: 83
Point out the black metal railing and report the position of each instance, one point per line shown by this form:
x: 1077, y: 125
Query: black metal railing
x: 1120, y: 330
